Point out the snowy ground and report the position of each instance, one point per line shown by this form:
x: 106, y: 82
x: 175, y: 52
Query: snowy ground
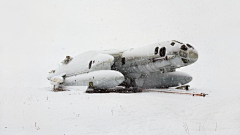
x: 35, y: 36
x: 41, y: 111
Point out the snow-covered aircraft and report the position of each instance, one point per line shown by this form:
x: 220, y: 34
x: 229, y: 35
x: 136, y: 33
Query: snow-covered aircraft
x: 151, y: 66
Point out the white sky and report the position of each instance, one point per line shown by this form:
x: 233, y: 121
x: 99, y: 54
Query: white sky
x: 35, y: 36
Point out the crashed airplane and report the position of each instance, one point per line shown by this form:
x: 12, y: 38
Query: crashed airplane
x: 151, y: 66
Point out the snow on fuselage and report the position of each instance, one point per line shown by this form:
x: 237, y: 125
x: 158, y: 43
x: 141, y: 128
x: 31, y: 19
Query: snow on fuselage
x: 153, y: 64
x: 90, y: 68
x: 147, y: 67
x: 84, y: 63
x: 163, y: 56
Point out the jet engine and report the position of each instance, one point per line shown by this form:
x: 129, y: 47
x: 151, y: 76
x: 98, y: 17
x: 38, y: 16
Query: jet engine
x: 102, y: 79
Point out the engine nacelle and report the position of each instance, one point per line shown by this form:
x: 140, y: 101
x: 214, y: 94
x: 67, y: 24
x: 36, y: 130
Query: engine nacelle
x: 102, y: 79
x: 163, y: 80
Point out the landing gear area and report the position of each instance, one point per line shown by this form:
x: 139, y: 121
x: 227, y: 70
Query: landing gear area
x: 114, y: 90
x: 58, y: 89
x: 121, y: 89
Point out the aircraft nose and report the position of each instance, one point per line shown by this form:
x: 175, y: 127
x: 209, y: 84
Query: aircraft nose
x: 193, y: 56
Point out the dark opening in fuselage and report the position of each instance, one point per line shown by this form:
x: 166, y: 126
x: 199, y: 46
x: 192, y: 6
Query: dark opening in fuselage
x: 156, y: 50
x: 162, y: 52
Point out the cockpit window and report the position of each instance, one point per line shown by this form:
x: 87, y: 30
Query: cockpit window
x: 162, y: 52
x: 156, y: 50
x: 183, y: 47
x: 189, y: 46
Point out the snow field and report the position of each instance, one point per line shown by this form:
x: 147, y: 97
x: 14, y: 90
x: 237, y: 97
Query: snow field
x: 40, y: 111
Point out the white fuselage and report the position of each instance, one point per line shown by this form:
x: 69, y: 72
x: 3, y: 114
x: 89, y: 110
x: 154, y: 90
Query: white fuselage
x: 148, y: 67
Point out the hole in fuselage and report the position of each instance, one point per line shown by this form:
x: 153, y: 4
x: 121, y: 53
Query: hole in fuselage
x: 162, y: 52
x: 156, y: 50
x: 123, y: 61
x: 183, y: 47
x: 90, y: 64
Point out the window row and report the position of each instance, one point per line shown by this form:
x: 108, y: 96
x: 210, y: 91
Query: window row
x: 161, y: 52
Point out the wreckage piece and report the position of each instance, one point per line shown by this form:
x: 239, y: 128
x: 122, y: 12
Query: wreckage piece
x: 201, y: 94
x: 173, y: 92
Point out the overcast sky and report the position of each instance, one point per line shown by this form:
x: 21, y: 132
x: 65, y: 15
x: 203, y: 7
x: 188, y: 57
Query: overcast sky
x: 36, y: 35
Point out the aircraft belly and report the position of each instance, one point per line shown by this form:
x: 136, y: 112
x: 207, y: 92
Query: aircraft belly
x: 171, y: 79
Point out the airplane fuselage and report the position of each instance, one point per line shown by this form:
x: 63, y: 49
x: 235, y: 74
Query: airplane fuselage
x: 151, y: 66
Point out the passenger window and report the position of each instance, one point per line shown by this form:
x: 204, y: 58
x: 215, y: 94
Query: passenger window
x: 123, y: 61
x: 172, y: 44
x: 90, y: 64
x: 156, y: 50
